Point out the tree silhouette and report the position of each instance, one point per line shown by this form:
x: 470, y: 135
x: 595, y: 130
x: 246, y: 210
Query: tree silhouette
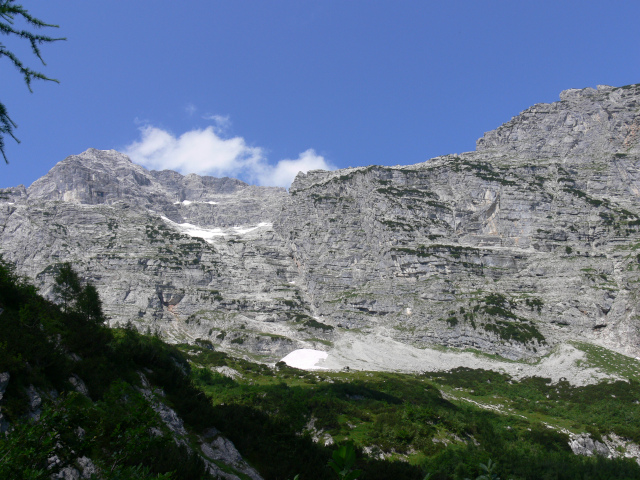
x: 89, y: 304
x: 75, y: 298
x: 8, y: 13
x: 67, y: 286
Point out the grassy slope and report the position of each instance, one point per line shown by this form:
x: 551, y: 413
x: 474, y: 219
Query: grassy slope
x: 418, y: 423
x: 411, y: 424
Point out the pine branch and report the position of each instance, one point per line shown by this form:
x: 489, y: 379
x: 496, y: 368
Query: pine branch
x: 34, y: 39
x: 8, y: 12
x: 27, y: 73
x: 6, y: 127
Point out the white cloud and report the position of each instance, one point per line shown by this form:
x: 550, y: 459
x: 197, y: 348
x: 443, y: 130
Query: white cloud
x: 190, y: 109
x: 222, y: 122
x: 197, y: 151
x: 205, y: 152
x: 283, y: 173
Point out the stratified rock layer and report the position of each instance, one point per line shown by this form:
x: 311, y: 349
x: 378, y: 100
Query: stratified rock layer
x: 527, y: 242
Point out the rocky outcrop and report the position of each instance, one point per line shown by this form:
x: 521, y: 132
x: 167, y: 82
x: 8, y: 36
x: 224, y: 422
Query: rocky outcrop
x: 611, y: 446
x: 4, y: 382
x: 214, y: 448
x: 583, y: 444
x: 525, y: 243
x: 220, y: 449
x: 83, y: 468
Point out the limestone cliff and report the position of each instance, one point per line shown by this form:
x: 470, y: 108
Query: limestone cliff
x: 528, y: 242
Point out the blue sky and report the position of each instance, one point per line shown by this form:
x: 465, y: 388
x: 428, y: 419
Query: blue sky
x: 258, y: 89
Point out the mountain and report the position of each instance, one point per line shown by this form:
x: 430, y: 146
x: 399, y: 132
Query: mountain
x: 524, y: 249
x: 79, y: 400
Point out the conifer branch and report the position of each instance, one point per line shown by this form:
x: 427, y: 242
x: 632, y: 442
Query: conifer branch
x: 8, y: 13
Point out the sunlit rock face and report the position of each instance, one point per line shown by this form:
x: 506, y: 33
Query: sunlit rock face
x: 528, y: 242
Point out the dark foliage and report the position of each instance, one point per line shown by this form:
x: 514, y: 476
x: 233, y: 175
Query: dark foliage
x: 44, y: 346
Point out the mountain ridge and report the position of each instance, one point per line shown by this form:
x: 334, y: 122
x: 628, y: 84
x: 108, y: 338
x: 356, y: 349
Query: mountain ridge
x: 514, y: 249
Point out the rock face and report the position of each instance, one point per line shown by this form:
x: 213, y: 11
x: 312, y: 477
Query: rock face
x: 528, y: 242
x: 613, y: 446
x: 4, y: 381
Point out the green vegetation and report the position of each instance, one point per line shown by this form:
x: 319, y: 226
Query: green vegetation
x: 406, y: 417
x: 483, y: 170
x: 608, y: 361
x: 50, y: 348
x: 313, y: 323
x: 534, y: 303
x: 452, y: 321
x: 494, y: 313
x: 412, y: 192
x: 628, y: 87
x: 436, y: 250
x: 343, y: 461
x: 361, y: 171
x: 394, y: 225
x: 310, y: 322
x: 513, y: 331
x: 117, y: 424
x: 385, y: 425
x: 496, y: 304
x: 506, y: 324
x: 328, y: 343
x: 322, y: 198
x: 598, y: 409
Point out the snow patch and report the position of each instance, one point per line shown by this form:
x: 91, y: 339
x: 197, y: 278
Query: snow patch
x: 305, y: 358
x: 243, y: 230
x: 209, y: 233
x: 189, y: 202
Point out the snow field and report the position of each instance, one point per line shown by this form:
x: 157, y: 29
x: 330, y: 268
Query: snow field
x: 306, y: 359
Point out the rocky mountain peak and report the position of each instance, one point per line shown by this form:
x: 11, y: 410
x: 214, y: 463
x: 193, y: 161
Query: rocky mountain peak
x: 583, y: 123
x: 96, y: 177
x: 519, y: 249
